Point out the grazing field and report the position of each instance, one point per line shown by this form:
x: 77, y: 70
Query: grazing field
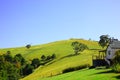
x: 65, y: 57
x: 86, y: 74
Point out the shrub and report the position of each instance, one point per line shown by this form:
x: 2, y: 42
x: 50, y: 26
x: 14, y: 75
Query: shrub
x: 48, y: 57
x: 70, y: 69
x: 43, y: 57
x: 35, y: 62
x: 116, y: 62
x: 28, y: 46
x: 53, y: 56
x: 116, y: 68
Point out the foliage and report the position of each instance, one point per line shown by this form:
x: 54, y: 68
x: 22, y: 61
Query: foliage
x: 19, y: 58
x: 8, y: 57
x: 35, y: 62
x: 75, y: 68
x: 78, y: 47
x: 116, y: 61
x: 28, y: 69
x: 104, y: 40
x: 10, y: 67
x: 43, y: 57
x: 8, y: 71
x: 61, y: 49
x: 53, y: 56
x: 28, y: 46
x: 48, y: 57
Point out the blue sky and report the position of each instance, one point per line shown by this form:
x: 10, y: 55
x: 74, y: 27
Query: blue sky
x: 41, y: 21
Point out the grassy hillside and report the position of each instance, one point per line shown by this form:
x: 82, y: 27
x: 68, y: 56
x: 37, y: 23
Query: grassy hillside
x: 86, y: 74
x: 63, y: 51
x: 60, y: 48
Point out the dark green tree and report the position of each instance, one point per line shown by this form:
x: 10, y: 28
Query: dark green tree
x: 19, y: 58
x: 12, y: 72
x: 28, y: 69
x: 104, y: 40
x: 28, y: 46
x: 8, y: 57
x: 53, y: 56
x: 48, y: 58
x: 78, y: 47
x: 43, y: 57
x: 35, y: 62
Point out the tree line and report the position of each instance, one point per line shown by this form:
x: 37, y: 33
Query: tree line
x: 16, y: 67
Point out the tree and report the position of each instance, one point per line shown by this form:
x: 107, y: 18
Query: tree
x: 35, y: 62
x: 28, y: 46
x: 116, y: 62
x: 28, y: 69
x: 12, y: 72
x: 48, y: 58
x: 78, y: 47
x: 8, y: 57
x: 19, y: 58
x: 104, y: 40
x: 53, y: 56
x: 43, y: 57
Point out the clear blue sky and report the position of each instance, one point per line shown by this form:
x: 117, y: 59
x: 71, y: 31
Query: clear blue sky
x: 41, y: 21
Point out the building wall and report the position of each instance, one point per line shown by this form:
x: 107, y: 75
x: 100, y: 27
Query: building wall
x: 110, y: 53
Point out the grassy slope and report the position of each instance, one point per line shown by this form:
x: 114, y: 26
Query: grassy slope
x: 86, y: 74
x: 61, y: 49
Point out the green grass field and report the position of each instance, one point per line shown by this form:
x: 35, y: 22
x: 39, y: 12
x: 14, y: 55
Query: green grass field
x: 63, y: 50
x: 86, y: 74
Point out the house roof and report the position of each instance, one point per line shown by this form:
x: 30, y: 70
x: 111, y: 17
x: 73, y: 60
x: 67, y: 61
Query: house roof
x: 115, y: 45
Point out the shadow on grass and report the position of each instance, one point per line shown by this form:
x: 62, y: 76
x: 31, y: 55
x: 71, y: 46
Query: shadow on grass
x: 105, y: 72
x: 117, y: 77
x: 70, y: 55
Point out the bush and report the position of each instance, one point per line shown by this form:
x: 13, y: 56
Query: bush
x: 43, y: 57
x: 116, y: 68
x: 28, y: 46
x: 116, y: 62
x: 53, y: 56
x: 70, y: 69
x: 35, y: 62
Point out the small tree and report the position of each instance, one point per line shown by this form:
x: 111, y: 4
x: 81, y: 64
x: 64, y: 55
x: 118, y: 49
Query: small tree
x: 28, y: 46
x: 78, y: 47
x: 35, y: 62
x: 43, y: 57
x: 104, y: 40
x: 53, y: 56
x: 48, y: 58
x: 28, y: 69
x: 19, y: 58
x: 8, y: 57
x: 116, y: 62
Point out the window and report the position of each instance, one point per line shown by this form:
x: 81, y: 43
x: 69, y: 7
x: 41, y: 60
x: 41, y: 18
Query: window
x: 109, y: 52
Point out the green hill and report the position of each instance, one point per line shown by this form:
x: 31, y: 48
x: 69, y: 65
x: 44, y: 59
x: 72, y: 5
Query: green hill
x: 86, y: 74
x: 62, y: 49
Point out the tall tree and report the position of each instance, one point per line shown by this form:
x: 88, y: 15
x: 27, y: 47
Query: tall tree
x: 78, y: 47
x: 104, y: 40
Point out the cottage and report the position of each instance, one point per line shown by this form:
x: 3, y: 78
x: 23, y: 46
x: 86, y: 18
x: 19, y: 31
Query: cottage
x: 105, y: 56
x: 111, y: 49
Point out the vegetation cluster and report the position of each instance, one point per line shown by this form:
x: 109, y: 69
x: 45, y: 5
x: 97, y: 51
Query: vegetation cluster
x: 14, y: 68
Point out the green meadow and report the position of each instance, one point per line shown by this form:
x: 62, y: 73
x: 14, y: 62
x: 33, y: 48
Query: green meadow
x: 64, y: 59
x: 87, y: 74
